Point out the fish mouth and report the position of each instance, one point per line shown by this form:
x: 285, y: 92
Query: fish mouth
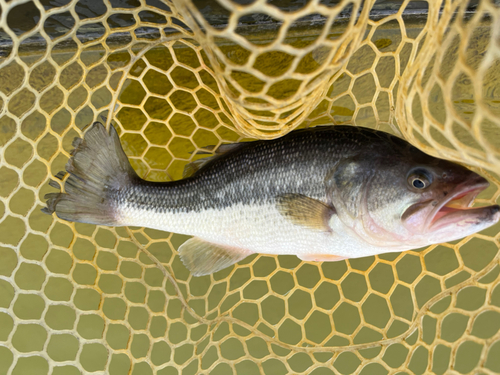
x: 456, y: 207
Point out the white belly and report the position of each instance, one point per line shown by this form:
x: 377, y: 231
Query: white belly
x: 260, y: 229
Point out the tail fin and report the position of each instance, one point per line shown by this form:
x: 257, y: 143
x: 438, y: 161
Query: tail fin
x: 98, y: 167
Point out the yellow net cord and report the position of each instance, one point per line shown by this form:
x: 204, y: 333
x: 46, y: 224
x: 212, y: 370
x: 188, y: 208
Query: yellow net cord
x: 174, y: 78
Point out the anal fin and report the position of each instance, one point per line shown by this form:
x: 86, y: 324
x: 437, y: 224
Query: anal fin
x: 203, y: 258
x: 320, y: 257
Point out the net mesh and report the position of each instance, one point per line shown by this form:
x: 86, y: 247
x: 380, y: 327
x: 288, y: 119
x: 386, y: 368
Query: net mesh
x: 175, y: 78
x: 449, y: 99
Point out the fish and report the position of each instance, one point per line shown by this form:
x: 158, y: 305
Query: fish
x: 326, y: 193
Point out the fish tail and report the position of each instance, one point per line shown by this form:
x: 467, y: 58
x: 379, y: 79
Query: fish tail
x: 98, y: 170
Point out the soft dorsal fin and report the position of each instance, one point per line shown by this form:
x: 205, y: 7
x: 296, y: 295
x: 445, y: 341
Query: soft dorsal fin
x: 193, y: 167
x: 222, y: 149
x: 203, y: 258
x: 306, y: 212
x: 225, y: 148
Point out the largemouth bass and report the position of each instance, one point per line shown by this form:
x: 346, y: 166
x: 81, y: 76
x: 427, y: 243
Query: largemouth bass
x: 323, y: 194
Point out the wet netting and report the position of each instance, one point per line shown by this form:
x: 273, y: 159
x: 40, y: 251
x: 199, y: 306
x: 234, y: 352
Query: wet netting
x: 176, y: 77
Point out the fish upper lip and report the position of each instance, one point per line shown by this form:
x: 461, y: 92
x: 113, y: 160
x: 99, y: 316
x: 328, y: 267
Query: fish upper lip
x: 467, y: 191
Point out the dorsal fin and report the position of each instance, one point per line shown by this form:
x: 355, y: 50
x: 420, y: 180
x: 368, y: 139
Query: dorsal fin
x: 225, y: 148
x: 222, y: 149
x: 191, y: 168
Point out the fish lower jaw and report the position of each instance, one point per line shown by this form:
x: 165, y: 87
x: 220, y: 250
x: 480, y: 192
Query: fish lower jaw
x: 462, y: 219
x: 459, y: 200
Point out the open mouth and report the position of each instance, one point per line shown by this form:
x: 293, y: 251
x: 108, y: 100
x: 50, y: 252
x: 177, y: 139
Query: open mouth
x: 457, y: 206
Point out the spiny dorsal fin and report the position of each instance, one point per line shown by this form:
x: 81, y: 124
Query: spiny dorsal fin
x: 203, y: 258
x: 306, y: 212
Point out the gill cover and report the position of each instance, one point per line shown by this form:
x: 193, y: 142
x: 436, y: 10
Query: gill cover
x: 346, y: 186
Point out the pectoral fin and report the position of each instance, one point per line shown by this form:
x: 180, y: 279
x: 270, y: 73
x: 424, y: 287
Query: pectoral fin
x: 203, y: 258
x: 305, y: 211
x: 320, y: 257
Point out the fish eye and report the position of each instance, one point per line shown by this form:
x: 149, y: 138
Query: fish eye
x: 419, y: 179
x: 418, y: 183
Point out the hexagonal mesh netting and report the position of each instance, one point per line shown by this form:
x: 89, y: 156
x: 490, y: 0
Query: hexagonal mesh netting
x: 177, y: 77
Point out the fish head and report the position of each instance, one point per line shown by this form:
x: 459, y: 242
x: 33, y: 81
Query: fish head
x: 442, y: 208
x: 408, y: 199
